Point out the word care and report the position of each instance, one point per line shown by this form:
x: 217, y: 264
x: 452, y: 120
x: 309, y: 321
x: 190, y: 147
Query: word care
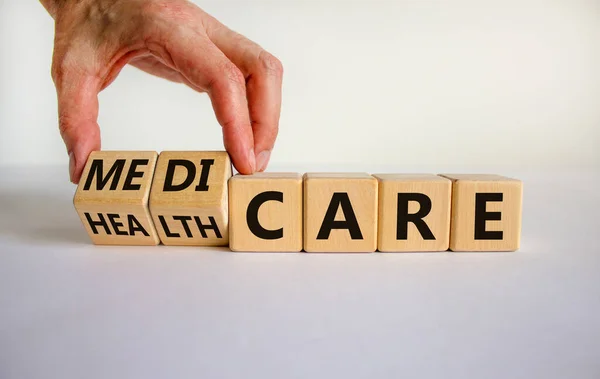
x: 191, y: 198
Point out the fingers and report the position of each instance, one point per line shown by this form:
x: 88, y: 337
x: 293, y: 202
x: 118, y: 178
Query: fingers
x: 242, y: 80
x: 77, y: 93
x: 264, y: 97
x: 263, y: 73
x: 208, y: 69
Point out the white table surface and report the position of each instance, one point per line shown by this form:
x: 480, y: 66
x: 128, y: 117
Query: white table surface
x: 69, y: 309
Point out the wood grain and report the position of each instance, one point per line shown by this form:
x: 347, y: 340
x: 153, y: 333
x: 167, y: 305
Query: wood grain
x: 320, y: 192
x: 196, y: 215
x: 406, y: 192
x: 272, y: 215
x: 112, y: 197
x: 499, y: 197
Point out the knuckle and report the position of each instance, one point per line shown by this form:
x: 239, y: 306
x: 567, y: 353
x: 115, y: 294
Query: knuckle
x: 270, y: 64
x: 62, y: 65
x: 74, y: 129
x: 232, y: 73
x: 65, y: 124
x: 57, y: 69
x: 167, y: 8
x: 229, y: 124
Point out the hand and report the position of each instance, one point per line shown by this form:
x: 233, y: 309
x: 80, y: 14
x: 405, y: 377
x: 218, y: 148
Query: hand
x: 173, y: 39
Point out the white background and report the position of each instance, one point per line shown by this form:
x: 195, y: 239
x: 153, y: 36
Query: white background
x: 490, y: 83
x: 504, y: 87
x: 69, y: 309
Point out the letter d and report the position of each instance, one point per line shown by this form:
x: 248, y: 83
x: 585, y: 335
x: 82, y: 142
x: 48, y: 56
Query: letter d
x: 191, y: 174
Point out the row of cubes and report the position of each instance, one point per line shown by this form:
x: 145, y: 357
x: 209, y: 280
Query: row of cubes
x: 191, y: 199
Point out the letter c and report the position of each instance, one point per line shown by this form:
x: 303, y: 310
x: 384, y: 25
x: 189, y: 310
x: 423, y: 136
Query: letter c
x: 252, y: 215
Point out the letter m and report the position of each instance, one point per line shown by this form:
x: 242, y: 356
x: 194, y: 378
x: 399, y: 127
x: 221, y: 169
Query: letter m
x: 97, y: 170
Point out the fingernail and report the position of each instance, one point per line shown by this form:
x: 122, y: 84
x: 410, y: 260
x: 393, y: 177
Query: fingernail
x: 71, y: 166
x: 262, y: 160
x: 252, y: 160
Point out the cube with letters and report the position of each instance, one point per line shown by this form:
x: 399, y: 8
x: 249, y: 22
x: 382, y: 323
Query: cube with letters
x: 414, y: 212
x: 486, y: 212
x: 265, y: 212
x: 112, y: 198
x: 340, y: 212
x: 189, y: 201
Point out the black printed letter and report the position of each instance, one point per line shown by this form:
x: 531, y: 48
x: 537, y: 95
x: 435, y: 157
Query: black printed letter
x: 191, y: 174
x: 203, y: 228
x: 116, y: 225
x: 165, y: 227
x: 205, y: 163
x: 101, y: 223
x: 132, y: 173
x: 340, y: 199
x: 416, y: 218
x: 481, y: 216
x: 184, y: 220
x: 135, y: 226
x: 97, y: 168
x: 252, y: 215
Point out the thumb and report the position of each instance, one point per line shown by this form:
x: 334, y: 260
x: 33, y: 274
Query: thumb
x: 78, y: 117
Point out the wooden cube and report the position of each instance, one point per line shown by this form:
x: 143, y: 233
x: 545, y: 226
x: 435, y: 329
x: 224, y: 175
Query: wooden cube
x: 414, y: 212
x: 189, y: 201
x: 265, y: 212
x: 486, y: 213
x: 112, y: 197
x: 340, y: 212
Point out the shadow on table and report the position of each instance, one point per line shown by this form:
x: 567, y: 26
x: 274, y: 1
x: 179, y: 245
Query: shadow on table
x: 41, y: 217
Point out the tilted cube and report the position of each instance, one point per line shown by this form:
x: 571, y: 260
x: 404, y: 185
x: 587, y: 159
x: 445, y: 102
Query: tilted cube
x: 189, y: 200
x: 112, y: 197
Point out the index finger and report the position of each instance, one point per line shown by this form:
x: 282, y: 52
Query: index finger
x: 264, y: 77
x: 207, y: 68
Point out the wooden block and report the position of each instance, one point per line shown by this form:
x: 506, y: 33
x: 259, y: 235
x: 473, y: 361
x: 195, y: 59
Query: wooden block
x: 265, y: 212
x: 188, y: 201
x: 112, y: 197
x: 340, y: 212
x: 414, y: 212
x: 486, y: 213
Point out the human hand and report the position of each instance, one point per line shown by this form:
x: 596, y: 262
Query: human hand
x: 173, y: 39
